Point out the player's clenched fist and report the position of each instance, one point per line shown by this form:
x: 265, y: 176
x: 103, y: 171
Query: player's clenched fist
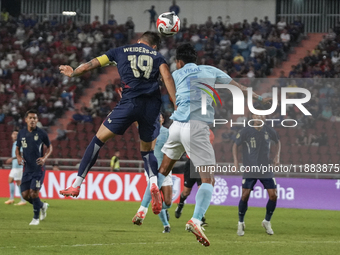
x: 66, y: 70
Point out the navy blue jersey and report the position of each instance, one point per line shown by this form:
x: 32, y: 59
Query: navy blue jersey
x: 32, y: 147
x: 256, y: 145
x: 138, y: 67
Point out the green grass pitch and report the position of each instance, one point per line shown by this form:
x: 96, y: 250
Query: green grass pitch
x: 104, y: 227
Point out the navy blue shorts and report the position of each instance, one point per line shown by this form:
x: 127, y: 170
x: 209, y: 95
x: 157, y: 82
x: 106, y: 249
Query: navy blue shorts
x: 32, y: 180
x: 144, y: 109
x: 268, y: 183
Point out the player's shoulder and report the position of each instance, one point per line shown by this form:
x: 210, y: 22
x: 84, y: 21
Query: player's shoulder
x: 41, y: 131
x: 270, y: 129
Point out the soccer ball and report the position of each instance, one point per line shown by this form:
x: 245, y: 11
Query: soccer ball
x: 168, y: 24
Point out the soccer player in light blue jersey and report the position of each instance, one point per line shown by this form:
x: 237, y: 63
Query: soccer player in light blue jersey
x: 190, y: 131
x: 166, y: 186
x: 15, y: 173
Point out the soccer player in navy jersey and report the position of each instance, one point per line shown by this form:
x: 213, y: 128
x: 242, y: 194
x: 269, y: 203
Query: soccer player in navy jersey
x: 256, y: 143
x: 31, y: 139
x: 139, y: 66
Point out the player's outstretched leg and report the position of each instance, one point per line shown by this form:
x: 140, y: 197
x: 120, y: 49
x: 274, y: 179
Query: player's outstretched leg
x: 164, y: 218
x: 242, y: 209
x: 143, y: 209
x: 151, y: 168
x: 88, y: 160
x: 203, y: 198
x: 11, y: 193
x: 43, y: 211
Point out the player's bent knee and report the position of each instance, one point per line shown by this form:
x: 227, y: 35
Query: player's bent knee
x: 273, y: 197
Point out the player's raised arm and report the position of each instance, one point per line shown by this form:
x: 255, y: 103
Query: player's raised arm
x: 169, y: 82
x: 80, y: 70
x: 255, y: 96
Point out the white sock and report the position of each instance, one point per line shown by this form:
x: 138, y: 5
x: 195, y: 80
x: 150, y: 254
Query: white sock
x: 196, y: 221
x: 167, y: 226
x: 143, y: 209
x: 79, y: 180
x: 153, y: 180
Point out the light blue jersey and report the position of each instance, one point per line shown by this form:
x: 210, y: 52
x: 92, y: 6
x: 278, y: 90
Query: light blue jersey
x: 188, y: 81
x: 15, y: 161
x: 161, y: 140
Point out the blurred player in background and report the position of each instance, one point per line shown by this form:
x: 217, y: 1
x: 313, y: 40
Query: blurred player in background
x: 15, y: 174
x: 190, y: 130
x: 256, y: 143
x: 189, y: 183
x: 32, y: 139
x: 139, y: 66
x: 166, y: 186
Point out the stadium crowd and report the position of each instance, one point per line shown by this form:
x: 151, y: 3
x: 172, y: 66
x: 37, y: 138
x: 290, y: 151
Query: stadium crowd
x: 32, y: 50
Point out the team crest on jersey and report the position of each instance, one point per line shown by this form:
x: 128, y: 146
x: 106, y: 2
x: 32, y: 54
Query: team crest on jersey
x: 238, y: 136
x: 266, y: 136
x: 36, y: 137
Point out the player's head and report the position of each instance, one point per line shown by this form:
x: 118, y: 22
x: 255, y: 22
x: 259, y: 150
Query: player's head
x: 14, y: 135
x: 185, y: 54
x: 117, y: 153
x: 150, y: 38
x: 257, y: 120
x: 31, y: 118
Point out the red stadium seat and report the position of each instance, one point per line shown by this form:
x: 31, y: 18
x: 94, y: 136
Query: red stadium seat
x: 323, y: 150
x: 324, y: 159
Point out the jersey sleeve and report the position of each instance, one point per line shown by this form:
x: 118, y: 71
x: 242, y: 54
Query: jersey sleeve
x: 240, y: 137
x: 19, y: 141
x: 222, y: 77
x: 45, y: 139
x: 110, y: 57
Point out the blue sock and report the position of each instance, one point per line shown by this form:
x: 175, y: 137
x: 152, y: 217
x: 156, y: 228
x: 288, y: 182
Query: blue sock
x: 90, y: 156
x: 164, y: 206
x: 150, y: 163
x: 22, y: 199
x: 11, y: 190
x: 242, y: 208
x: 271, y: 205
x: 37, y: 204
x: 147, y: 197
x: 203, y: 198
x: 163, y: 217
x: 160, y: 180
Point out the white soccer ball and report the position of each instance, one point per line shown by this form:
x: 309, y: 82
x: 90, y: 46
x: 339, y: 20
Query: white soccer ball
x: 168, y: 24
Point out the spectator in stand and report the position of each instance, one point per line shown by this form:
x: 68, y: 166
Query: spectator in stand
x: 62, y: 133
x: 256, y: 50
x: 209, y: 23
x: 130, y: 28
x: 78, y: 117
x: 301, y: 139
x: 326, y: 113
x: 282, y: 24
x: 227, y: 21
x: 21, y: 63
x: 174, y: 8
x: 257, y: 37
x: 112, y: 21
x: 114, y: 164
x: 153, y: 17
x: 96, y: 23
x: 4, y: 15
x: 331, y: 35
x: 2, y: 116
